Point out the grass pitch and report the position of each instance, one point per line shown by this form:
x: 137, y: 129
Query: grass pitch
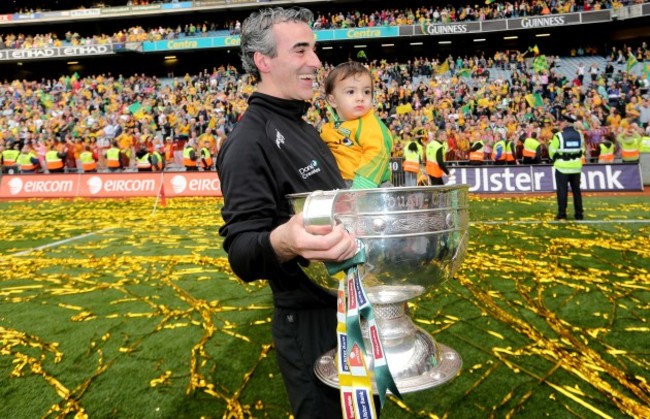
x: 110, y: 310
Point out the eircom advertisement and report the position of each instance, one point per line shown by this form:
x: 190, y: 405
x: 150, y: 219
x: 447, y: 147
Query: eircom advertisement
x: 110, y: 185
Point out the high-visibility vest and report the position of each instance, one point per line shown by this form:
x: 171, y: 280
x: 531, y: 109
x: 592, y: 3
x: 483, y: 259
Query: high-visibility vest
x: 432, y: 167
x: 508, y: 151
x: 9, y: 157
x: 645, y: 145
x: 53, y: 160
x: 88, y: 163
x: 24, y: 162
x: 567, y: 149
x: 206, y: 158
x: 187, y: 161
x: 113, y: 158
x: 477, y: 155
x: 530, y: 147
x: 411, y: 160
x: 629, y: 147
x: 144, y: 163
x: 606, y: 153
x: 160, y: 163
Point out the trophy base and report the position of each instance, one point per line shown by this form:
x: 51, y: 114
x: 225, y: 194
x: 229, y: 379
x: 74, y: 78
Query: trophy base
x: 443, y: 364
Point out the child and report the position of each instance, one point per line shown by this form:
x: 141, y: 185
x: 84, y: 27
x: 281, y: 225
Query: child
x: 359, y: 140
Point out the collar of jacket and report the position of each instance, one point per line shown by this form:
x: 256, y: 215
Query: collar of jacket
x: 286, y: 107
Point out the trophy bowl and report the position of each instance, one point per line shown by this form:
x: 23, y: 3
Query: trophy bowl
x: 415, y: 238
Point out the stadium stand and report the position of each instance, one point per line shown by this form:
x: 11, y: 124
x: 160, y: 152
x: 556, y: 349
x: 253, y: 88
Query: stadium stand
x: 63, y: 106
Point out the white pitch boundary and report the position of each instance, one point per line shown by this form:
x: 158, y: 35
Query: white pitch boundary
x: 528, y: 222
x: 60, y: 242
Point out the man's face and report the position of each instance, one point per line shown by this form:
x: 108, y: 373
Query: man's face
x: 292, y: 72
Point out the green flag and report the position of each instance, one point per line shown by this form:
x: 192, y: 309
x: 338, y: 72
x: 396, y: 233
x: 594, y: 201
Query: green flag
x: 464, y: 72
x: 534, y: 100
x: 631, y: 62
x: 540, y: 63
x: 134, y: 107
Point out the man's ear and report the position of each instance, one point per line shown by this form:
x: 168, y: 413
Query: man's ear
x: 262, y: 62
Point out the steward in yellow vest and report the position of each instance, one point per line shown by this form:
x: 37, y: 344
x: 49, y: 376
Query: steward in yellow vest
x: 27, y: 161
x: 190, y: 158
x: 413, y: 156
x: 435, y: 166
x: 606, y: 152
x: 477, y: 153
x: 88, y: 163
x: 532, y: 149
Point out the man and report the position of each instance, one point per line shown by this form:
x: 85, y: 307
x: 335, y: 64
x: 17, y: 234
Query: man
x: 9, y: 157
x: 54, y: 158
x: 114, y: 161
x: 27, y: 161
x: 606, y: 151
x: 87, y: 159
x: 532, y: 149
x: 435, y: 153
x: 270, y: 153
x: 477, y: 152
x: 630, y: 140
x: 413, y: 156
x: 157, y: 160
x: 143, y: 159
x: 206, y: 156
x: 190, y: 159
x: 566, y: 150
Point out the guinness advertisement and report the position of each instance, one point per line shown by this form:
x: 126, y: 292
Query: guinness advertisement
x: 447, y: 29
x: 539, y: 22
x: 55, y: 52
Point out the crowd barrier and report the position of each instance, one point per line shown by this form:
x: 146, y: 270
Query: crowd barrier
x: 482, y: 179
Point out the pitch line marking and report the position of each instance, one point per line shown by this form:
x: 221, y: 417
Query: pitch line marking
x: 60, y: 242
x: 563, y: 222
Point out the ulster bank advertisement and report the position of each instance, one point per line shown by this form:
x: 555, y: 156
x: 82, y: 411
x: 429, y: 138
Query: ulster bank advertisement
x: 513, y: 179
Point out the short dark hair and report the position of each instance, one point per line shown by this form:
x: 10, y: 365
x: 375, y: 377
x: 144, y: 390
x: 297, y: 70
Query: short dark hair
x: 342, y: 72
x: 257, y: 33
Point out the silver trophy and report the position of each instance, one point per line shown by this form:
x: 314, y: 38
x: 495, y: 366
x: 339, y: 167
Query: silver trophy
x: 415, y: 238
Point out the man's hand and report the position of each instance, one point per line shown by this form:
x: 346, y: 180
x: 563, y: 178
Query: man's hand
x: 328, y: 244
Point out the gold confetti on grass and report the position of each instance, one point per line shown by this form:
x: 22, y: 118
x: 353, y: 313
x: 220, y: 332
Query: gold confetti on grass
x: 525, y: 283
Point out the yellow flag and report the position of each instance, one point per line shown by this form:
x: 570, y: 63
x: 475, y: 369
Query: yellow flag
x: 403, y: 109
x: 443, y: 68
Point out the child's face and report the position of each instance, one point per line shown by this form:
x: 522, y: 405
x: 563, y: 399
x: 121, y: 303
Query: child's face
x: 352, y: 97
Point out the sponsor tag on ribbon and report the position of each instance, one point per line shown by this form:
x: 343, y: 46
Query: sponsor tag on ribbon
x: 355, y: 377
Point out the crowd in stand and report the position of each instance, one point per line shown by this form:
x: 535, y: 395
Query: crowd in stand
x: 353, y: 18
x: 194, y: 114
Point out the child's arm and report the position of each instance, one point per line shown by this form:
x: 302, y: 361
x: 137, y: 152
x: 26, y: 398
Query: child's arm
x: 376, y: 144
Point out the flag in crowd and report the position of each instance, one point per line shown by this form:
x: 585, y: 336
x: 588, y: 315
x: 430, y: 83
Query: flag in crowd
x: 540, y: 63
x: 631, y: 62
x: 534, y: 100
x: 443, y: 68
x: 465, y: 72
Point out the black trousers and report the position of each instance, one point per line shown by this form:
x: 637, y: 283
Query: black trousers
x: 301, y: 337
x: 562, y: 181
x: 436, y: 180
